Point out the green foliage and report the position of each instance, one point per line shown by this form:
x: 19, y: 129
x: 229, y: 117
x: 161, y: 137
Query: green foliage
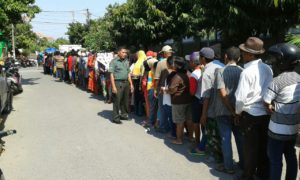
x: 25, y: 38
x: 76, y: 32
x: 99, y: 37
x: 293, y: 39
x: 61, y: 41
x: 146, y: 23
x: 11, y: 12
x: 43, y: 43
x: 239, y: 19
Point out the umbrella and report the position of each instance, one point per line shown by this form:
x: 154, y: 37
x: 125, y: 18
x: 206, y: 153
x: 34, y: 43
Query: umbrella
x: 50, y: 50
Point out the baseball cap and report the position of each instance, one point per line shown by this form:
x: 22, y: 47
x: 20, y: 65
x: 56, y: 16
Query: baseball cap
x: 166, y: 48
x: 193, y: 56
x: 150, y: 53
x: 207, y: 53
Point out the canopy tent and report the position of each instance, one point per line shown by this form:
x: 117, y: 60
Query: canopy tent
x: 50, y: 50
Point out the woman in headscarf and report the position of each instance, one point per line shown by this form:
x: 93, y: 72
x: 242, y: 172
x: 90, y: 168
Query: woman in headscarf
x: 137, y: 74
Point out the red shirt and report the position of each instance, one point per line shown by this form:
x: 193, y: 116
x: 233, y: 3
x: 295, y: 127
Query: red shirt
x: 70, y: 67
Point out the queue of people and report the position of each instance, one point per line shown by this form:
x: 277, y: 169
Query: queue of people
x: 88, y: 71
x: 204, y: 99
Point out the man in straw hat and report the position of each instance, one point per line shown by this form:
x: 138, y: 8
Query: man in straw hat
x: 251, y: 111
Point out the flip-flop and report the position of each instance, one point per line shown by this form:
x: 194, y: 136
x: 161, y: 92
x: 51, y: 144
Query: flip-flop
x: 194, y: 152
x: 176, y: 142
x: 221, y: 168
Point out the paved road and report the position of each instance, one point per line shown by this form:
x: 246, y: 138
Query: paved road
x: 65, y: 133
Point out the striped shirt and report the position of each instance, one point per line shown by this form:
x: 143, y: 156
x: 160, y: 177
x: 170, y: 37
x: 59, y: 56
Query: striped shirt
x: 284, y: 92
x: 226, y: 78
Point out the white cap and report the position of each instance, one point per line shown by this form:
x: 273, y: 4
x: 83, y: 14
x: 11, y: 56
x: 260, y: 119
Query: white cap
x: 167, y: 48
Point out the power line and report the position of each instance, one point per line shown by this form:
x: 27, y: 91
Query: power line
x: 54, y: 11
x: 46, y: 22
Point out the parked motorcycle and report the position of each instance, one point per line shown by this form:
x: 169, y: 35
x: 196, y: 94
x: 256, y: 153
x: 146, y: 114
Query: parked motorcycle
x: 3, y: 134
x: 13, y: 78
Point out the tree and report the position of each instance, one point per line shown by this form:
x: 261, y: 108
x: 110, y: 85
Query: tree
x: 76, y: 32
x: 11, y: 12
x: 25, y: 38
x: 239, y: 19
x: 99, y: 37
x: 61, y: 41
x: 149, y: 22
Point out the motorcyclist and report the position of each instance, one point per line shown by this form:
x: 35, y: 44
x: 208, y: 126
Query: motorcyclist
x: 282, y: 100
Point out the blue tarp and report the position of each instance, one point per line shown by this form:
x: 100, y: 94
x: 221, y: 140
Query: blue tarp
x: 50, y: 50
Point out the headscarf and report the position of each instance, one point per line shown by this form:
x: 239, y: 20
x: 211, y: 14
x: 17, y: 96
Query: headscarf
x: 138, y: 66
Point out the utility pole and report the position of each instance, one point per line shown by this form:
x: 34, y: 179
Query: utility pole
x: 13, y: 40
x: 88, y: 17
x: 73, y: 16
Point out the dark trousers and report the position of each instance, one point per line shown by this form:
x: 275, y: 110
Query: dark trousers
x: 153, y: 106
x: 255, y: 132
x: 138, y: 97
x: 60, y: 73
x: 121, y: 100
x: 276, y: 148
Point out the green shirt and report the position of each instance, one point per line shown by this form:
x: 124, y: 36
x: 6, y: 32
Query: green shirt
x: 119, y: 68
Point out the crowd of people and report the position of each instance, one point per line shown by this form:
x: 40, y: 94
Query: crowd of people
x: 205, y: 98
x: 87, y: 70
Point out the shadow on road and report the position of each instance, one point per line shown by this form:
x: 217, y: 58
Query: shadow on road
x: 98, y: 97
x: 106, y: 114
x: 182, y: 149
x: 30, y: 81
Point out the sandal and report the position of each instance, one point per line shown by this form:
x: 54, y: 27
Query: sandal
x: 176, y: 142
x: 221, y: 168
x: 171, y: 137
x: 144, y: 123
x: 196, y: 152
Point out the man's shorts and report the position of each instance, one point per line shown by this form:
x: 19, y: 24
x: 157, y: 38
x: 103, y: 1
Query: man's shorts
x: 196, y: 110
x: 181, y: 112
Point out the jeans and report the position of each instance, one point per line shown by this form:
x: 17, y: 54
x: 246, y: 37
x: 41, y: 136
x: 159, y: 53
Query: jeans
x: 168, y: 117
x: 226, y: 126
x: 276, y: 148
x: 163, y: 122
x: 153, y: 106
x: 201, y: 146
x: 60, y: 73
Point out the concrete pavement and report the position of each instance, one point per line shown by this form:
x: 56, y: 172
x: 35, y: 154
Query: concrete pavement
x: 65, y: 133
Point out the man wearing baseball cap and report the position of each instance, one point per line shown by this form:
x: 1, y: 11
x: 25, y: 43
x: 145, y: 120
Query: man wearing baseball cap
x: 213, y: 145
x: 253, y: 83
x: 160, y: 76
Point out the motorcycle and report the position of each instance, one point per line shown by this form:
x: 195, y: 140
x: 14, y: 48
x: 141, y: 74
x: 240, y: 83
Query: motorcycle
x: 4, y: 134
x: 14, y: 79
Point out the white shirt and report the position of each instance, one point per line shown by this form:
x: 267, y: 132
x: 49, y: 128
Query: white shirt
x: 166, y: 97
x: 253, y: 83
x: 196, y: 74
